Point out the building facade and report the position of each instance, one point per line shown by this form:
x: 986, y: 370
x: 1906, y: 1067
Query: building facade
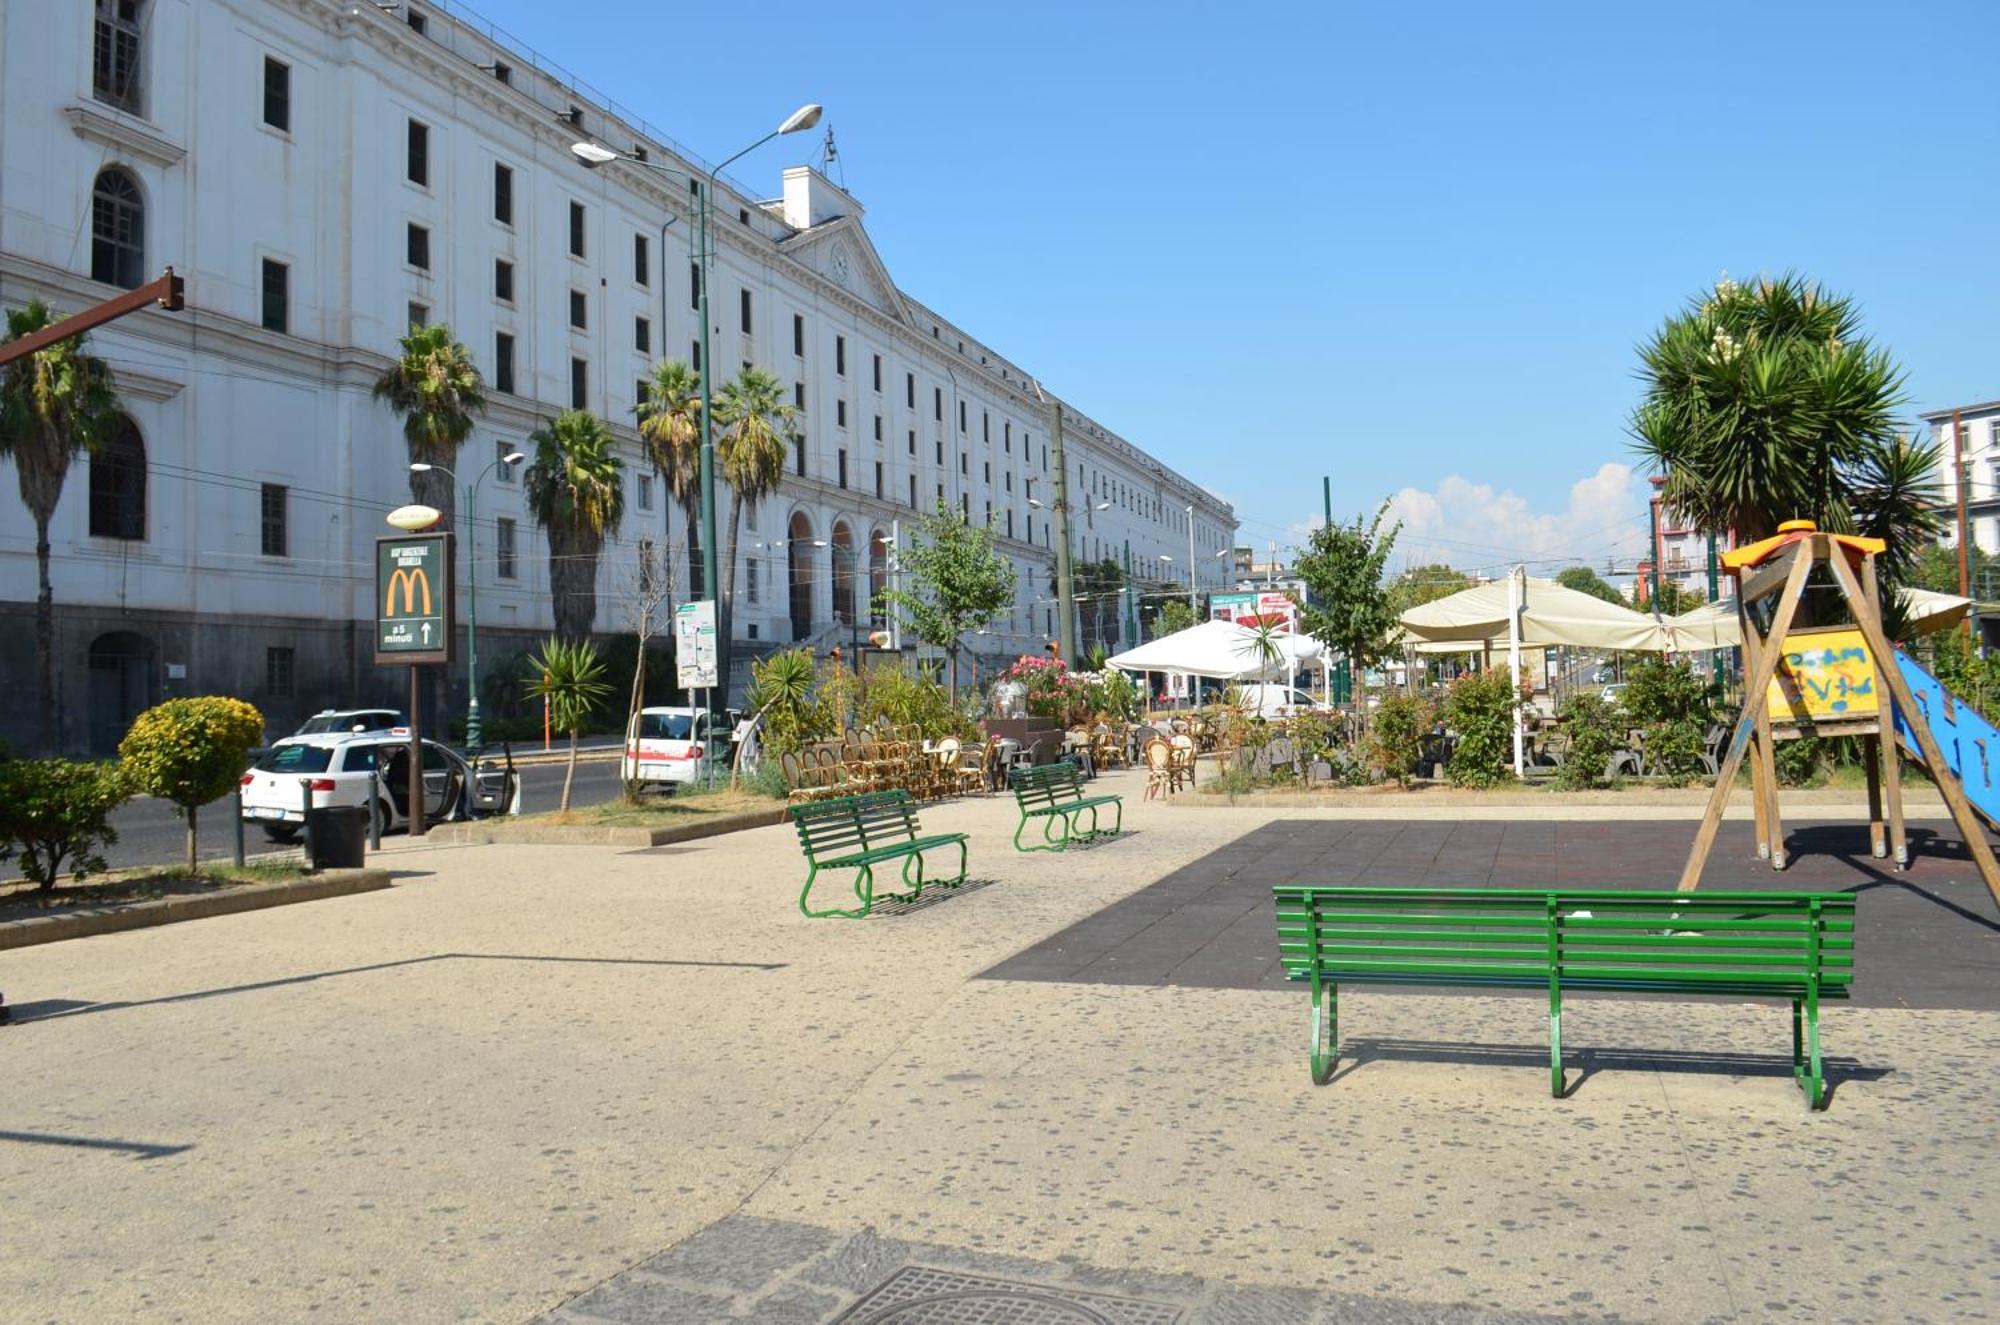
x: 338, y: 171
x: 1978, y: 462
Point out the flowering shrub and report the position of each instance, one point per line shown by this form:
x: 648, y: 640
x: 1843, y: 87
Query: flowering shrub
x: 1054, y: 691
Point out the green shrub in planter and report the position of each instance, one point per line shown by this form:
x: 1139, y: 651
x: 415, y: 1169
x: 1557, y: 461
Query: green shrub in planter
x: 1596, y: 731
x: 1675, y: 707
x: 1480, y: 708
x: 55, y: 811
x: 1395, y: 733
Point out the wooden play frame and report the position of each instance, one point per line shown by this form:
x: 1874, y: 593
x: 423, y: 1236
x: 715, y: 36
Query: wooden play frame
x: 1780, y: 566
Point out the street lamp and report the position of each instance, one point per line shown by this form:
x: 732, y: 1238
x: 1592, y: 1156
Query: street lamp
x: 593, y: 155
x: 1191, y: 562
x: 472, y: 732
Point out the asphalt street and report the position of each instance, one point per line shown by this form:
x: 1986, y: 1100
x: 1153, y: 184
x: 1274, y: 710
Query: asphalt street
x: 151, y: 833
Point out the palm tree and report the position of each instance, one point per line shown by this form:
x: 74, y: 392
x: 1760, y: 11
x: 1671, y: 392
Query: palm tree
x: 1763, y: 402
x: 436, y: 390
x: 670, y: 426
x: 53, y: 404
x: 576, y: 491
x: 756, y: 423
x: 570, y: 676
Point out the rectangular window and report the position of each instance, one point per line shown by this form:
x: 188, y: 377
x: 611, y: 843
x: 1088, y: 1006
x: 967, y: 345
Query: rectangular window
x: 937, y: 403
x: 503, y: 73
x: 416, y: 314
x: 878, y: 372
x: 878, y: 478
x: 913, y: 441
x: 503, y: 194
x: 503, y: 539
x: 642, y: 261
x: 799, y: 453
x: 277, y: 94
x: 694, y: 285
x: 418, y: 162
x: 878, y: 428
x: 503, y: 280
x: 798, y: 336
x: 503, y: 362
x: 645, y: 492
x: 1010, y: 524
x: 799, y: 396
x: 418, y: 253
x: 989, y: 472
x: 910, y: 390
x: 114, y: 73
x: 640, y: 391
x: 939, y: 445
x: 579, y: 310
x: 579, y: 383
x: 842, y: 460
x: 642, y: 335
x: 576, y: 229
x: 416, y: 20
x: 961, y: 416
x: 502, y: 471
x: 278, y: 672
x: 753, y: 580
x: 840, y: 356
x: 840, y: 413
x: 1008, y: 480
x: 694, y: 354
x: 277, y: 301
x: 1007, y: 437
x: 913, y: 492
x: 272, y: 522
x: 743, y: 311
x: 962, y: 462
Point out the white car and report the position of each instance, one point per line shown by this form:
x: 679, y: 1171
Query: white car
x: 334, y: 769
x: 1275, y: 701
x: 329, y: 722
x: 664, y: 746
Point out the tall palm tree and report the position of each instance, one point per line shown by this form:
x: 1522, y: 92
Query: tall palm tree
x: 436, y: 389
x: 755, y: 421
x: 670, y: 426
x: 54, y: 404
x: 576, y: 492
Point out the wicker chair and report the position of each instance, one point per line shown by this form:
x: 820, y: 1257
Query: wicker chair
x: 1182, y: 763
x: 1159, y: 768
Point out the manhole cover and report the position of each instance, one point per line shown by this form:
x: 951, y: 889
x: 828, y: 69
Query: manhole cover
x: 919, y: 1295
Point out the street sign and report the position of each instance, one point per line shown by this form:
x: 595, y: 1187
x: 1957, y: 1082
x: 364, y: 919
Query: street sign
x: 414, y: 620
x: 694, y: 644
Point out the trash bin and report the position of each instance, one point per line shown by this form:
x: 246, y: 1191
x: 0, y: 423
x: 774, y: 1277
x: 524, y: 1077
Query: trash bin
x: 339, y: 837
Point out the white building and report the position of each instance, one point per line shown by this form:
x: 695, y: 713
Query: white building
x: 1979, y: 440
x: 338, y: 170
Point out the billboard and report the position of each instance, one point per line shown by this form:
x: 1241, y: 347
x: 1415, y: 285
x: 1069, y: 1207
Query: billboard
x: 414, y: 618
x: 1250, y: 609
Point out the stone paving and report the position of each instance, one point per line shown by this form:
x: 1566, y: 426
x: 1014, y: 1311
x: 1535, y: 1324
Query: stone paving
x: 574, y: 1084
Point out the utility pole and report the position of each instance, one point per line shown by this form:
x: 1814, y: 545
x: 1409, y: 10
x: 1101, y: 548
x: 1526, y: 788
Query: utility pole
x: 1131, y: 602
x: 1654, y: 508
x: 1065, y: 586
x: 1958, y: 483
x: 1326, y: 491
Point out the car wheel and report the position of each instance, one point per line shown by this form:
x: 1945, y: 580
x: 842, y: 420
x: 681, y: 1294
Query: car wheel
x: 284, y: 833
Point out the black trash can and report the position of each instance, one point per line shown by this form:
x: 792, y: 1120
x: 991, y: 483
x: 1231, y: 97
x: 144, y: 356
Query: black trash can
x: 338, y: 836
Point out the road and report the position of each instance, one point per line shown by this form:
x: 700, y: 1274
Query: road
x: 150, y: 833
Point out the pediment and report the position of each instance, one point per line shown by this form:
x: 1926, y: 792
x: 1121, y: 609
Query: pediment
x: 840, y: 252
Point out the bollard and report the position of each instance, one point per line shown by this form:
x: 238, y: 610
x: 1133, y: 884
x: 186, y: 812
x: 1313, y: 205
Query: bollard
x: 237, y: 801
x: 305, y: 821
x: 374, y: 809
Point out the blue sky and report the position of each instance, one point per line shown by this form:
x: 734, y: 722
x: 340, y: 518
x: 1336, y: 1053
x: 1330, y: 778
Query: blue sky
x: 1410, y: 246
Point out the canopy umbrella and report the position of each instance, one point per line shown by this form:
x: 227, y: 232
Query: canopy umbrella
x: 1715, y: 625
x: 1220, y: 650
x: 1550, y: 614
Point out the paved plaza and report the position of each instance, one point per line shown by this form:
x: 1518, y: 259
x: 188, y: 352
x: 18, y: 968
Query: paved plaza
x: 584, y: 1085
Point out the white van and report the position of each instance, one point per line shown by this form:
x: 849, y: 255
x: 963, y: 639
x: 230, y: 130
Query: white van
x: 1276, y: 701
x: 665, y: 746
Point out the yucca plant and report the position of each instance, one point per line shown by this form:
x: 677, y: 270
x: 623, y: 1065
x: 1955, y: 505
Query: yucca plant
x: 570, y: 676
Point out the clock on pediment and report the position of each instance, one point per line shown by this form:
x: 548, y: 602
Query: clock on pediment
x: 839, y: 265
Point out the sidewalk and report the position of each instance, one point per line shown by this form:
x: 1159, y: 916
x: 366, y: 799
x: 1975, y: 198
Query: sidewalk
x: 504, y: 1087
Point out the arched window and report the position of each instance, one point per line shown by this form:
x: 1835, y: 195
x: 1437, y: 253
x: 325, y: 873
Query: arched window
x: 114, y: 72
x: 843, y: 574
x: 118, y: 483
x: 117, y: 231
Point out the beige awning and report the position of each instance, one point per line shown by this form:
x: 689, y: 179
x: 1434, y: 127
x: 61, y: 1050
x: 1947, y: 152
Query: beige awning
x: 1714, y: 625
x: 1550, y: 614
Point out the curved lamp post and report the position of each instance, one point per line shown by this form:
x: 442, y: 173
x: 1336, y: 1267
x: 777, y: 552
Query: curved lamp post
x: 472, y: 732
x: 593, y: 155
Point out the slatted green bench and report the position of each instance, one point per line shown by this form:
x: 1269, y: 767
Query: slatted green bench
x: 1054, y: 794
x: 1736, y: 944
x: 861, y: 832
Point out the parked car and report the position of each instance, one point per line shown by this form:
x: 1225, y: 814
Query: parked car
x: 1612, y: 693
x: 335, y: 769
x: 353, y: 721
x: 1275, y: 701
x: 665, y: 746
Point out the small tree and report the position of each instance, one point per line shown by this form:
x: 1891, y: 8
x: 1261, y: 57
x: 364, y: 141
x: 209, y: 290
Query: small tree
x: 190, y: 752
x: 1175, y: 615
x: 1349, y: 607
x: 1585, y: 580
x: 572, y: 680
x: 1425, y: 584
x: 959, y: 582
x: 648, y: 597
x: 53, y: 810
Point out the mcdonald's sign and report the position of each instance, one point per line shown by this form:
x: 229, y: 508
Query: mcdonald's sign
x: 414, y: 620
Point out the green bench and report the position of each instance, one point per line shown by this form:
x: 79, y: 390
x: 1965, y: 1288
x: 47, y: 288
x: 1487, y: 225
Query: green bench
x: 861, y: 832
x: 1053, y: 793
x: 1798, y: 946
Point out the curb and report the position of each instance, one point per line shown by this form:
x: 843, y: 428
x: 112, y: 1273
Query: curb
x: 557, y: 835
x: 113, y: 919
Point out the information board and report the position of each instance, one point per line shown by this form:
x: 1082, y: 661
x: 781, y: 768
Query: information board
x: 1825, y: 676
x: 694, y: 644
x: 414, y: 620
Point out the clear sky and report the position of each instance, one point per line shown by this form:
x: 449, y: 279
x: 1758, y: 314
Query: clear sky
x: 1411, y: 246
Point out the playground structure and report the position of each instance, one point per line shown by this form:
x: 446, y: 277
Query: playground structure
x: 1843, y: 680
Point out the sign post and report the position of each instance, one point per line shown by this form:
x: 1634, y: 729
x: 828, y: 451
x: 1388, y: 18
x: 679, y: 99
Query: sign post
x: 415, y: 625
x: 694, y: 661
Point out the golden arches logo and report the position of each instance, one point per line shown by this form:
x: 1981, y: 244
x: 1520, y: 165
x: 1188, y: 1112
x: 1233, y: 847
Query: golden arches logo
x: 413, y: 580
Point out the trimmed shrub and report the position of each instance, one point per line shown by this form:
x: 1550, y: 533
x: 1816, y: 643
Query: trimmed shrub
x: 1675, y: 707
x: 1395, y: 735
x: 54, y: 811
x: 1596, y: 731
x: 1480, y: 708
x: 190, y: 752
